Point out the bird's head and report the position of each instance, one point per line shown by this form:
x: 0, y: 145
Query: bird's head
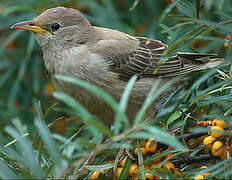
x: 57, y: 25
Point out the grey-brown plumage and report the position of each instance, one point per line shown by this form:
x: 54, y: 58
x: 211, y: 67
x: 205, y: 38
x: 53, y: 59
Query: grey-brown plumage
x: 106, y: 58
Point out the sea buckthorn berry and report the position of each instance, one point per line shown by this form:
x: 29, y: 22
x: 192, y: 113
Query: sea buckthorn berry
x: 122, y: 163
x: 220, y: 123
x: 224, y: 155
x: 216, y: 131
x: 218, y: 148
x: 133, y: 169
x: 96, y: 174
x: 151, y: 145
x: 226, y: 46
x: 119, y: 171
x: 201, y: 123
x: 149, y: 176
x: 199, y: 177
x: 204, y: 123
x: 168, y: 165
x: 143, y: 151
x: 205, y: 174
x: 208, y: 142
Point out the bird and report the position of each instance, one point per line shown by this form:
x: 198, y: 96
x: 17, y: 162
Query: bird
x: 107, y: 58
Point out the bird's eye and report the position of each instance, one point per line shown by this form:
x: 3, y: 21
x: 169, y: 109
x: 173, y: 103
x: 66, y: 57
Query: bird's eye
x: 55, y: 26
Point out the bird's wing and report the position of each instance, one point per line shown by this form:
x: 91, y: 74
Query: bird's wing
x: 144, y: 61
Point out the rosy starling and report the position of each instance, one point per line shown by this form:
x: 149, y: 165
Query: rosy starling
x: 108, y: 59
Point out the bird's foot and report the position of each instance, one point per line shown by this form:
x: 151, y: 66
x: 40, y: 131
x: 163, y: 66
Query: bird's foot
x: 124, y: 151
x: 83, y: 170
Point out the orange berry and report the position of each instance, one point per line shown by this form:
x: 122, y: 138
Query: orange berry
x: 205, y: 174
x: 143, y: 151
x: 119, y: 170
x: 218, y: 148
x: 224, y: 155
x: 122, y: 163
x: 226, y: 46
x: 220, y: 123
x: 201, y: 123
x: 151, y: 145
x: 199, y: 177
x: 149, y: 176
x: 49, y: 88
x: 168, y: 165
x: 96, y: 174
x: 133, y: 169
x: 208, y: 142
x: 216, y: 131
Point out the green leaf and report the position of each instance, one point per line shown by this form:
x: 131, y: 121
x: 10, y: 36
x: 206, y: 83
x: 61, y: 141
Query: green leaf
x: 98, y: 91
x: 190, y: 35
x: 50, y: 144
x: 83, y: 113
x: 123, y: 104
x: 159, y: 136
x: 6, y: 172
x: 174, y: 117
x: 125, y: 169
x: 141, y: 165
x: 151, y: 97
x: 185, y: 6
x: 30, y: 158
x: 99, y: 167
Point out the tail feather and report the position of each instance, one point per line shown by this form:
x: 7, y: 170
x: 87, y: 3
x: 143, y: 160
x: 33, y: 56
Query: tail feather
x: 199, y: 60
x: 211, y: 63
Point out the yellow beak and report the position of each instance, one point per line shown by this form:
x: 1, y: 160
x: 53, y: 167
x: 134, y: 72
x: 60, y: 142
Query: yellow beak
x: 28, y: 25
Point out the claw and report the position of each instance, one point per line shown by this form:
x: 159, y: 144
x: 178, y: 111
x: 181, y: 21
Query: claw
x: 121, y: 154
x: 125, y: 149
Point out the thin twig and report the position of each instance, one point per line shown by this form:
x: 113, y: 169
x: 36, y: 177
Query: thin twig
x: 15, y: 140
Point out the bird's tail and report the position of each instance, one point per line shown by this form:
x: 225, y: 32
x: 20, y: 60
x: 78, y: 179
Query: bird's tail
x: 201, y: 60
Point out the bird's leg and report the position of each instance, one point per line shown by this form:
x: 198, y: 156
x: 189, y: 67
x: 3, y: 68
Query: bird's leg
x: 94, y: 152
x: 125, y: 149
x: 83, y: 170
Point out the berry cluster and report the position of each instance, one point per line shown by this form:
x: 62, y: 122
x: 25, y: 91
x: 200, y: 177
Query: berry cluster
x: 151, y: 153
x: 215, y: 144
